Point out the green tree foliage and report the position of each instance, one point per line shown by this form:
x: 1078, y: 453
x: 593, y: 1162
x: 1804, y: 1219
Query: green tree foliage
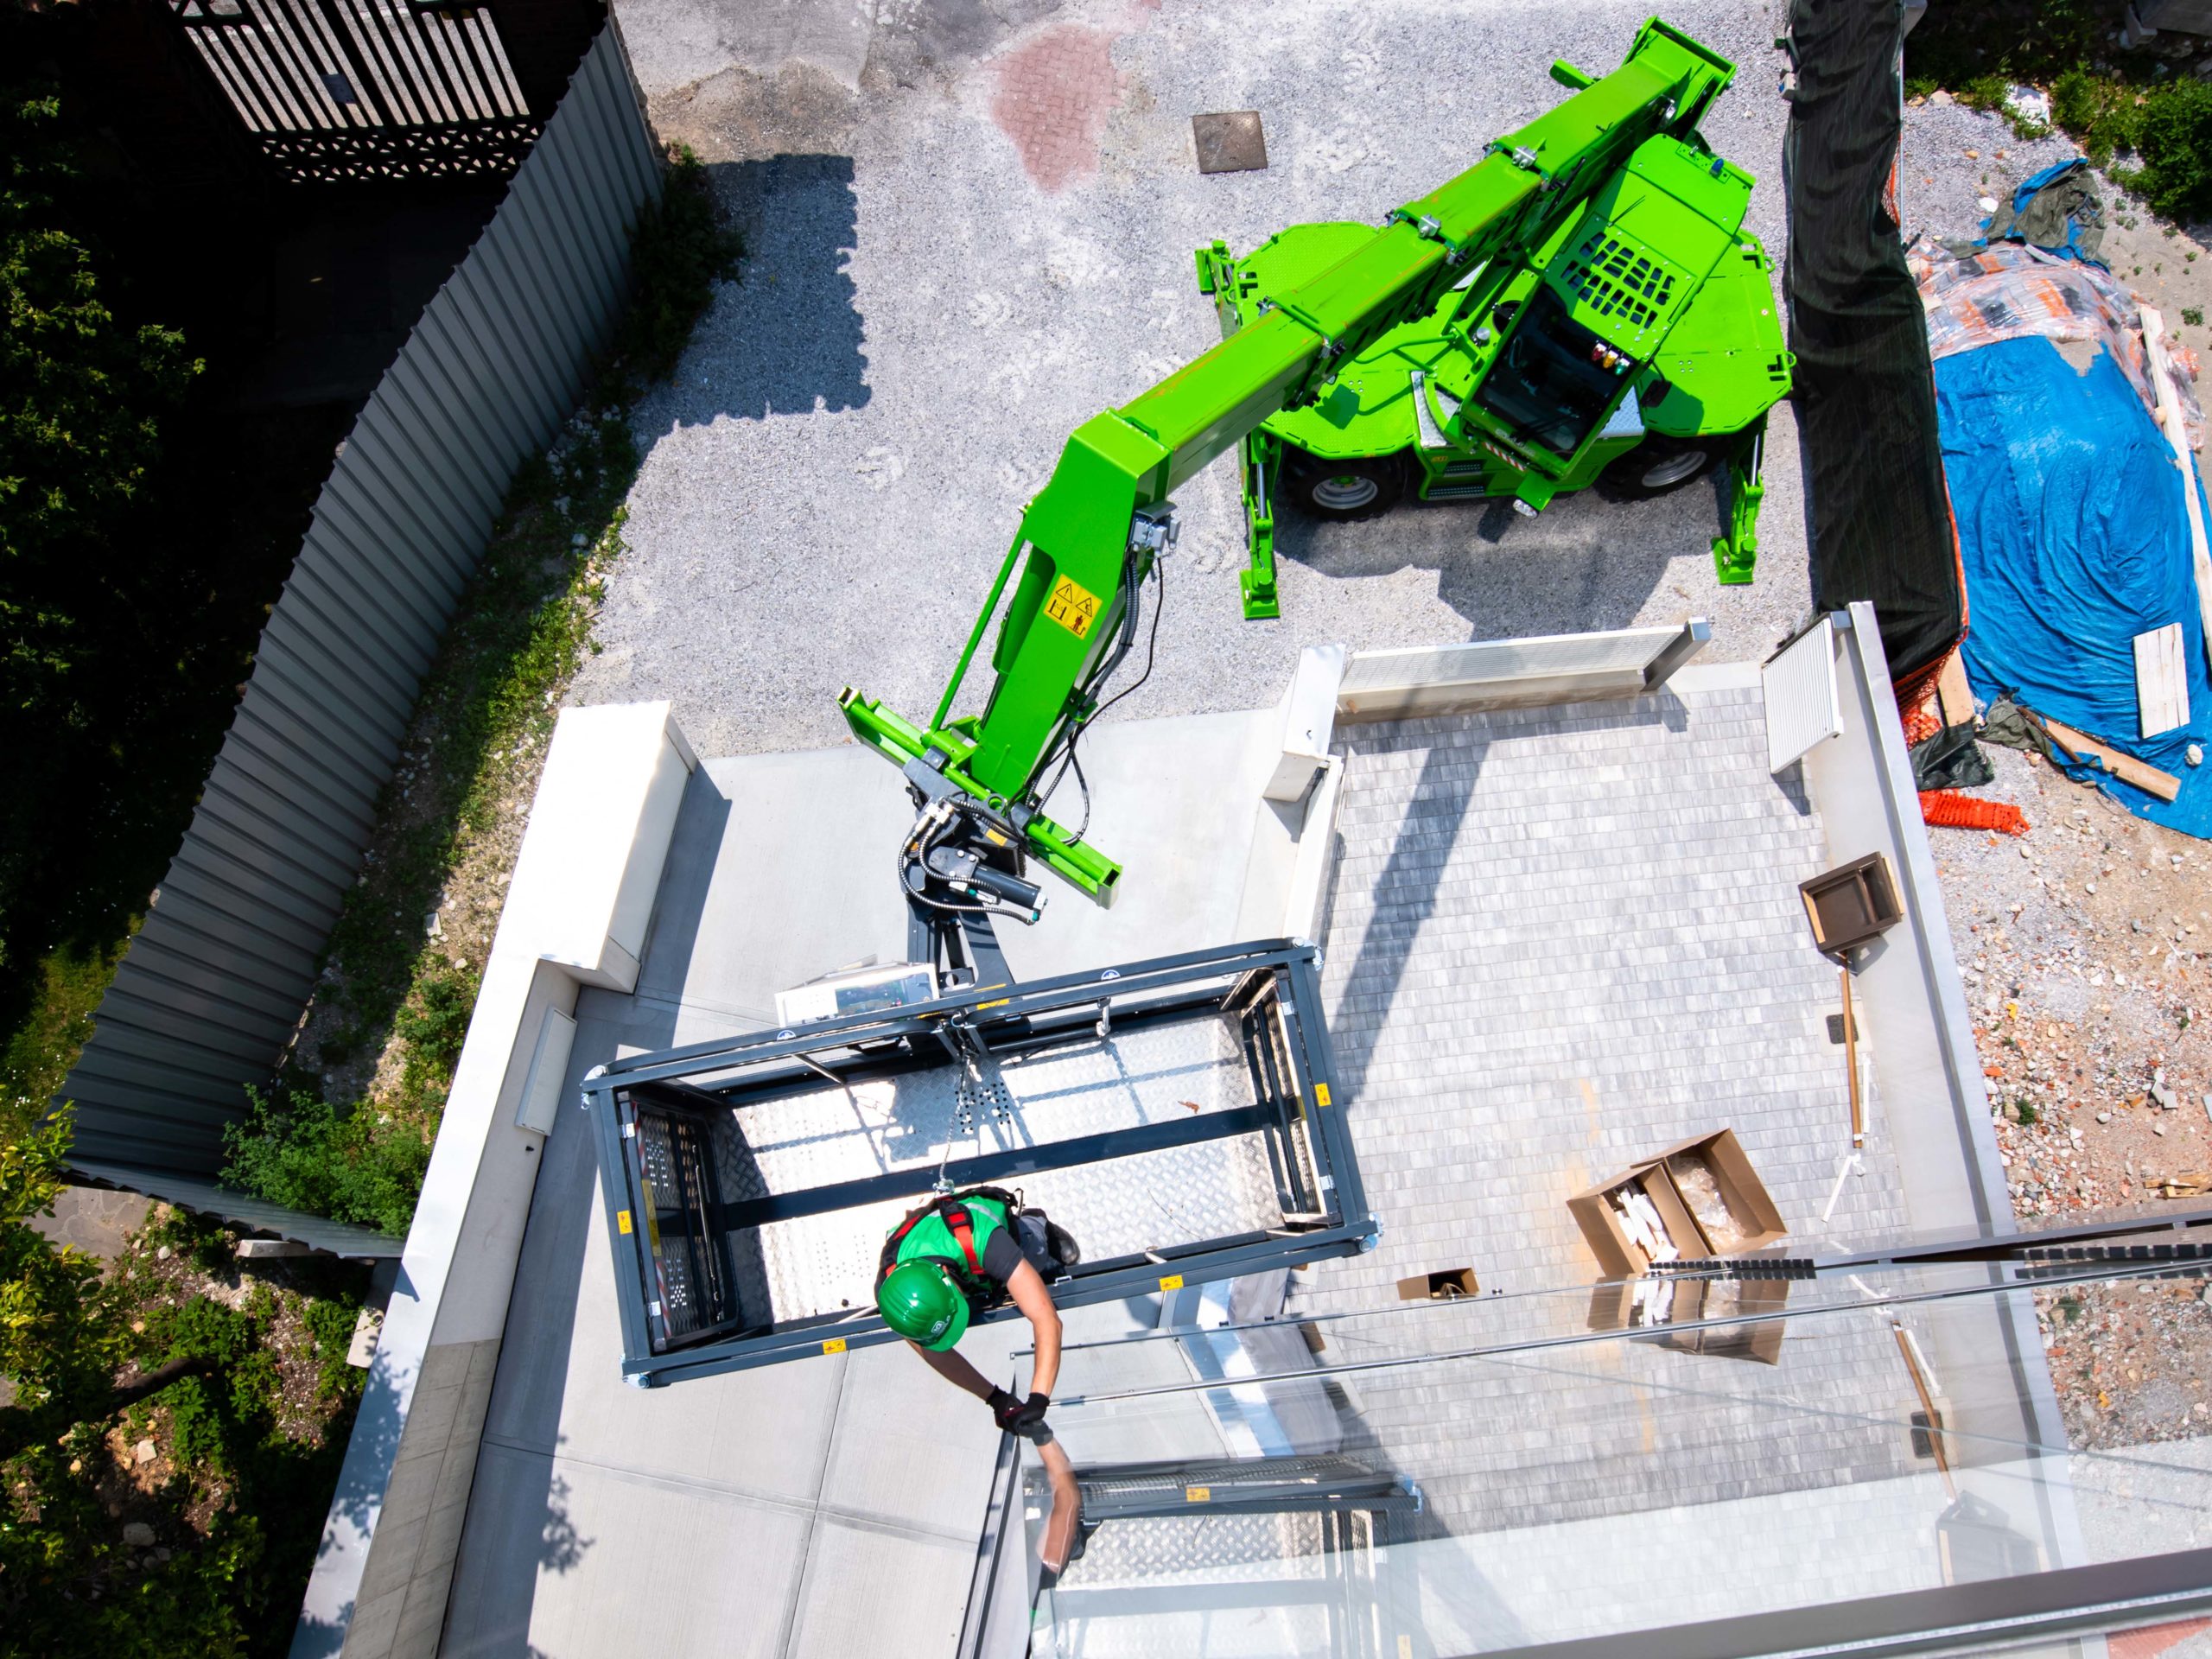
x: 304, y: 1153
x: 235, y: 1526
x: 120, y: 639
x: 79, y: 399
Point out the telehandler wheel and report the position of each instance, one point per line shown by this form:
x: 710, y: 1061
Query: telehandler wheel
x: 1344, y: 490
x: 1659, y: 465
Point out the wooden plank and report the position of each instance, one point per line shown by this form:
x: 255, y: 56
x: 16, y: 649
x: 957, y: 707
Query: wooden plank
x: 2125, y: 767
x: 2161, y: 681
x: 2170, y: 417
x: 1953, y: 695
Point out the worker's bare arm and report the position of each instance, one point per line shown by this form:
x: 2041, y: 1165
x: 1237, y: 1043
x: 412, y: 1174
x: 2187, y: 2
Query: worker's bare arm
x: 958, y: 1372
x: 1059, y: 1542
x: 1026, y: 1286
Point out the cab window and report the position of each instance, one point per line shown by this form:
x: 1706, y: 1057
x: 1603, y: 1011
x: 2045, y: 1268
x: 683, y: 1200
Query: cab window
x: 1549, y: 384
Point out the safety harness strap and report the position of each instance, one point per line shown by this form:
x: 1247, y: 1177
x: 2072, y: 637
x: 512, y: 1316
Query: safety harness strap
x: 954, y: 1208
x: 963, y: 1234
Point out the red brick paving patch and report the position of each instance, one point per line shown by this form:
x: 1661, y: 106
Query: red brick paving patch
x: 2154, y: 1639
x: 1054, y: 96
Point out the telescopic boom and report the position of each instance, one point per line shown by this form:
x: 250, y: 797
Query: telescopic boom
x: 1091, y: 537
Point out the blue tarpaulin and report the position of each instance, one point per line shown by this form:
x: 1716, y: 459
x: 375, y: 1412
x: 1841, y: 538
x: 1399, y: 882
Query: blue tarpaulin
x: 2073, y: 536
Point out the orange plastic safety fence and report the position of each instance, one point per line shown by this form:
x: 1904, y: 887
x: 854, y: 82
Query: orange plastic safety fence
x: 1952, y: 811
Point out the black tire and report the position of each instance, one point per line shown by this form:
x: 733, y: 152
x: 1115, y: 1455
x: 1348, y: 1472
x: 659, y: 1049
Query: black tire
x: 1661, y: 466
x: 1343, y: 491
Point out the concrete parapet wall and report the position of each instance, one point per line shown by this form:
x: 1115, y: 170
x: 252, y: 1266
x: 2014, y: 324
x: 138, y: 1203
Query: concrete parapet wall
x: 1906, y: 983
x: 577, y: 913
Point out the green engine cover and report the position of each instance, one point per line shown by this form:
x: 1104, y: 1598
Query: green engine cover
x: 1658, y: 270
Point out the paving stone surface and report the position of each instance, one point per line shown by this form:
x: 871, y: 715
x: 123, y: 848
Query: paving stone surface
x: 1560, y: 940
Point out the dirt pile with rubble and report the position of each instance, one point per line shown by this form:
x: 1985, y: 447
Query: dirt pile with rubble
x: 2082, y: 945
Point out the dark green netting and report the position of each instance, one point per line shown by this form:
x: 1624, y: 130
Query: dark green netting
x: 1877, y: 514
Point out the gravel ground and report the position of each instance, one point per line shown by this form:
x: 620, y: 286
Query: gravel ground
x: 2082, y: 948
x: 2083, y: 941
x: 948, y: 276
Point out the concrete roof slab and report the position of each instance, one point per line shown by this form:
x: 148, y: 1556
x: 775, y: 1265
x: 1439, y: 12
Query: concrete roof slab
x: 872, y: 1592
x: 699, y: 1570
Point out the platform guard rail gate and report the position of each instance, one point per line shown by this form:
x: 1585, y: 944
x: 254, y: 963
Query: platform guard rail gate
x: 667, y: 1125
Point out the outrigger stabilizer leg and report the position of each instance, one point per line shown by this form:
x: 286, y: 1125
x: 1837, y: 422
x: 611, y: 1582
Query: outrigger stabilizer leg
x: 1736, y: 549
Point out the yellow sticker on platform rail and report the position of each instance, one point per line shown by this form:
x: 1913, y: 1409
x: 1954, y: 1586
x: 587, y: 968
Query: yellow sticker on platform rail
x: 1173, y: 1281
x: 1198, y: 1494
x: 1320, y: 1094
x: 1073, y: 605
x: 622, y: 1219
x: 833, y: 1345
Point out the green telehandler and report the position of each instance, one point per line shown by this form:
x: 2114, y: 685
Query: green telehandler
x: 1582, y: 303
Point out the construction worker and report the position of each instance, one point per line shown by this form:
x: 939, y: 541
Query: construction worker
x: 961, y: 1254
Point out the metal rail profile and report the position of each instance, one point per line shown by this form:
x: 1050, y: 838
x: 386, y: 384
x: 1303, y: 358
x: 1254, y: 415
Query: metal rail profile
x: 687, y: 1206
x: 1277, y: 1485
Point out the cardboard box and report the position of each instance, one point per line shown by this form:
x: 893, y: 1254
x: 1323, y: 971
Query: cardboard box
x: 1697, y: 1299
x: 1622, y: 1306
x: 1755, y: 1221
x: 1448, y: 1285
x: 1852, y: 905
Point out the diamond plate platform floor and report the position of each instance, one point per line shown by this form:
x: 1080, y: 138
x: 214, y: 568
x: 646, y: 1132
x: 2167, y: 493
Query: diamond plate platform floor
x: 1561, y: 939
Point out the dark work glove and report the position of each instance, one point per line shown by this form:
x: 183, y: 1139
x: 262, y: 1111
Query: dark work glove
x: 1027, y: 1419
x: 1005, y: 1408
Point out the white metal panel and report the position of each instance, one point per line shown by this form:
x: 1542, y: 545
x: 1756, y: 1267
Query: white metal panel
x: 1309, y: 708
x: 1803, y: 706
x: 548, y: 1065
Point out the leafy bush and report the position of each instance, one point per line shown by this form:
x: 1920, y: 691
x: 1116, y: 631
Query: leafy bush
x: 2172, y: 133
x: 201, y: 1240
x: 57, y: 1343
x: 331, y: 1323
x: 304, y: 1154
x: 2168, y: 125
x: 2095, y: 109
x: 239, y: 1517
x: 681, y: 250
x: 433, y: 1023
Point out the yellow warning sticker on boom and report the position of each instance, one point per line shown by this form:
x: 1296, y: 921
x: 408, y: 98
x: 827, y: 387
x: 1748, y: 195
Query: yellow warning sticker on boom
x: 1073, y: 605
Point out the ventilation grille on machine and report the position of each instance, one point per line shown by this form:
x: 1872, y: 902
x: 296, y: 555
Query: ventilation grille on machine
x: 1614, y: 280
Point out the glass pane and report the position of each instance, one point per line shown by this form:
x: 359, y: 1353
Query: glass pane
x: 1486, y: 1473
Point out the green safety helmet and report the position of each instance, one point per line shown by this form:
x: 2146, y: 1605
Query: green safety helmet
x: 921, y: 1303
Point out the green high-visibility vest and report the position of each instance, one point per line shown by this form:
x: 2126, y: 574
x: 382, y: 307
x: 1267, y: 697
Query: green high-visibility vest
x: 930, y: 1239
